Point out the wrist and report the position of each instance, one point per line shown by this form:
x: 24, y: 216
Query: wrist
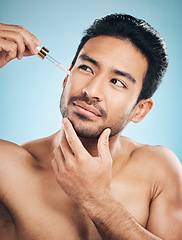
x: 97, y: 204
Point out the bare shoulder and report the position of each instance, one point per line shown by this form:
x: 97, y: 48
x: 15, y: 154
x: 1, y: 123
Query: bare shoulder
x: 26, y: 155
x: 42, y: 149
x: 158, y: 164
x: 160, y: 168
x: 159, y: 157
x: 13, y: 159
x: 10, y: 151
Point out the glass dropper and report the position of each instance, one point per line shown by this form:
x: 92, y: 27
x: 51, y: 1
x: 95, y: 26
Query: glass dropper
x: 44, y: 53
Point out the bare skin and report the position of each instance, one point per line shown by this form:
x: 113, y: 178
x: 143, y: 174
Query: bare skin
x: 70, y: 187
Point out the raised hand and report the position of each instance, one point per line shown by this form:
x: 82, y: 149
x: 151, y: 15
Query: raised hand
x: 16, y: 42
x: 80, y: 175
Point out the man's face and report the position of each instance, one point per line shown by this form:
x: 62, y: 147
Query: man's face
x: 104, y: 86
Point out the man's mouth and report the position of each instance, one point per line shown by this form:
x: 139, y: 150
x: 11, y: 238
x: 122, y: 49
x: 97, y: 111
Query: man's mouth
x: 86, y: 109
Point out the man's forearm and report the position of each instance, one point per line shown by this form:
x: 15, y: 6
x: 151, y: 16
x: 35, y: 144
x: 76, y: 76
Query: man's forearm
x: 114, y: 222
x: 86, y: 179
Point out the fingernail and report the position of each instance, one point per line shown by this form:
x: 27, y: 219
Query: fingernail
x: 20, y: 57
x: 35, y: 50
x: 109, y: 132
x: 63, y: 121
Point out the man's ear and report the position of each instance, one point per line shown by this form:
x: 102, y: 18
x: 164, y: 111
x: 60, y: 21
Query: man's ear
x: 66, y: 78
x: 142, y: 109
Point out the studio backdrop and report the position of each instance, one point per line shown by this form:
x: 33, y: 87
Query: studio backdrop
x: 30, y: 89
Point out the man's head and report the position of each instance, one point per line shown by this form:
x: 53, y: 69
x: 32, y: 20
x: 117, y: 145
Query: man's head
x: 140, y: 34
x: 118, y: 66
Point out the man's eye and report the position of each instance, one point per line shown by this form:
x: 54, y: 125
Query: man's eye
x: 118, y: 83
x: 85, y: 68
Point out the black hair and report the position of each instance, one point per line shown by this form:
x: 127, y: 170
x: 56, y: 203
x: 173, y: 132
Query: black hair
x: 144, y: 37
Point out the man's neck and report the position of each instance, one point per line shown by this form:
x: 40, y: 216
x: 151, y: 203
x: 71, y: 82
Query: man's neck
x: 91, y: 145
x: 118, y: 153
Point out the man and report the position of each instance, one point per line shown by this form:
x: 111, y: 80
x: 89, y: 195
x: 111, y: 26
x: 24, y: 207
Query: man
x: 86, y: 181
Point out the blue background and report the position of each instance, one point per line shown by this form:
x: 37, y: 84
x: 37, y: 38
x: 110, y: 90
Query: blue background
x: 30, y: 90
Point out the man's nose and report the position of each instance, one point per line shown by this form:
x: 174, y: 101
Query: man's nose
x: 95, y: 88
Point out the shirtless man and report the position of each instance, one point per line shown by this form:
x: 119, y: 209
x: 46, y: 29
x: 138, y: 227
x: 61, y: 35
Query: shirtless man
x: 87, y: 182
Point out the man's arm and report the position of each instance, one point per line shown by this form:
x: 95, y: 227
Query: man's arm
x: 87, y: 181
x: 166, y: 208
x: 114, y: 222
x: 16, y: 42
x: 165, y: 220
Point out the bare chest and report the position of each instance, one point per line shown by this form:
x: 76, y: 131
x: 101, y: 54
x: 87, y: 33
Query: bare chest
x: 41, y: 210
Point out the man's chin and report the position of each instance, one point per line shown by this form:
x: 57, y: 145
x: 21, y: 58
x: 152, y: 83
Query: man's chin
x: 84, y: 131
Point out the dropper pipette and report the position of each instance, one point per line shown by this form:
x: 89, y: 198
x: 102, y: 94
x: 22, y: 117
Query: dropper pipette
x: 44, y: 53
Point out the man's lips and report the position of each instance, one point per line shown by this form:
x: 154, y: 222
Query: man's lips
x: 89, y: 108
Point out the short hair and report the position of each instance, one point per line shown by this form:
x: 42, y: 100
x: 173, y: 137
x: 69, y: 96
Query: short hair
x: 144, y: 37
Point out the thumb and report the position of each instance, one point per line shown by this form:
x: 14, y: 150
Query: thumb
x: 103, y: 144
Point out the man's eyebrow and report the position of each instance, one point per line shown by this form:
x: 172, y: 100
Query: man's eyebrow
x: 89, y: 59
x: 97, y: 64
x: 125, y: 74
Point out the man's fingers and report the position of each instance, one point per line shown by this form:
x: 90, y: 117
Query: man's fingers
x: 8, y: 51
x: 65, y: 147
x: 73, y: 140
x: 21, y: 37
x: 30, y: 40
x: 12, y: 41
x: 103, y: 144
x: 55, y: 166
x: 59, y: 158
x: 16, y: 42
x: 20, y: 29
x: 4, y: 59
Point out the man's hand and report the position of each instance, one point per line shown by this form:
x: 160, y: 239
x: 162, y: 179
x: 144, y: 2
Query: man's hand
x: 16, y: 42
x: 80, y: 175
